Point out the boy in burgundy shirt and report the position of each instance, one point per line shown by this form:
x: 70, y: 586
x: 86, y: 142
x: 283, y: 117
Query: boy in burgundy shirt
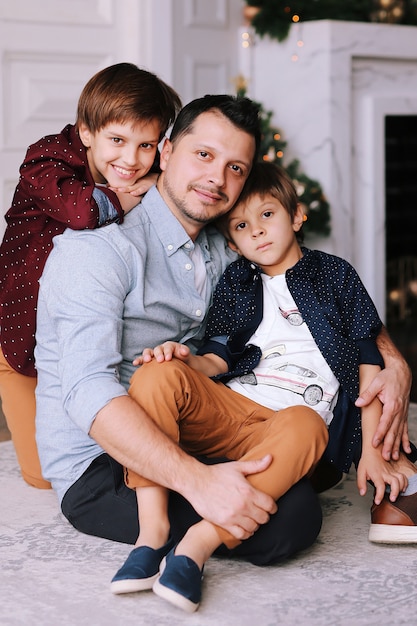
x: 70, y: 180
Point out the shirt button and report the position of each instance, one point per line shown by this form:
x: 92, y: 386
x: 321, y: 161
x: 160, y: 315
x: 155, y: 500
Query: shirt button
x: 188, y: 266
x: 188, y: 246
x: 199, y: 312
x: 170, y: 247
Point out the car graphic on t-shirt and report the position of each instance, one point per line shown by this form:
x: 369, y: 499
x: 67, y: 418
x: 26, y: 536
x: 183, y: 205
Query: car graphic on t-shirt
x: 293, y: 316
x: 295, y: 378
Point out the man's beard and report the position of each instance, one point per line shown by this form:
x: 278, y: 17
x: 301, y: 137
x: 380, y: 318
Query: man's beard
x: 183, y: 208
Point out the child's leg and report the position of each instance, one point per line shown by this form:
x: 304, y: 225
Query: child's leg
x: 295, y: 437
x: 141, y: 567
x: 212, y: 419
x: 19, y: 407
x: 199, y: 542
x: 153, y: 516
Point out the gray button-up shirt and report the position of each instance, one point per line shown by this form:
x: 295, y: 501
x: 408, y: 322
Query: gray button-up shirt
x: 104, y: 296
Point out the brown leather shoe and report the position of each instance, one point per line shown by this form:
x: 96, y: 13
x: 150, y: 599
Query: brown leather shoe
x: 394, y: 522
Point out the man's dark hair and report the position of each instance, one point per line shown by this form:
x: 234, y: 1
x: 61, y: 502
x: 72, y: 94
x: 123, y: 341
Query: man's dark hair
x: 242, y: 112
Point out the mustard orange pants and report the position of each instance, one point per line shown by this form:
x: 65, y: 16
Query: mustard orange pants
x: 17, y: 394
x: 208, y: 418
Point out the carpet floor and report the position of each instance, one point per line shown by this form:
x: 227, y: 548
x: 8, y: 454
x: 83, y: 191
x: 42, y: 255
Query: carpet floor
x: 52, y: 575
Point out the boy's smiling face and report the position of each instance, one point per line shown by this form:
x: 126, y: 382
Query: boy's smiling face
x: 262, y: 231
x: 119, y: 154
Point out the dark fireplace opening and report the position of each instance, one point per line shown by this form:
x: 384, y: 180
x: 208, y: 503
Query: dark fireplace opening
x: 401, y: 236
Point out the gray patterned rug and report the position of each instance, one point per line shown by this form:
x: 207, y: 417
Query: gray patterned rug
x: 52, y: 575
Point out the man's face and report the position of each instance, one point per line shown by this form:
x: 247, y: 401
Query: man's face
x: 204, y: 173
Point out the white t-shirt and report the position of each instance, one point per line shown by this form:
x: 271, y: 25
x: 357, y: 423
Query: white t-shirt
x: 292, y: 369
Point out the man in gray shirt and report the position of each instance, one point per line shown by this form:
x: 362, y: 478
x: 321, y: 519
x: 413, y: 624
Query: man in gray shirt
x: 107, y: 294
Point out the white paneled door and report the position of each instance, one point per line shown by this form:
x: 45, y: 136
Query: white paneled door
x: 49, y: 49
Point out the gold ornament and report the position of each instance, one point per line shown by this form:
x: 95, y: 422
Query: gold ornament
x: 250, y: 12
x: 240, y: 83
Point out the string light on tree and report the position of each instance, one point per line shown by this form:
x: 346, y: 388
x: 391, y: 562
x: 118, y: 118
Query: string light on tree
x: 245, y: 39
x: 389, y: 11
x: 300, y: 43
x: 275, y: 17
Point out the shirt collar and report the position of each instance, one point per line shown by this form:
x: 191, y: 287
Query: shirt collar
x: 169, y: 230
x: 307, y: 262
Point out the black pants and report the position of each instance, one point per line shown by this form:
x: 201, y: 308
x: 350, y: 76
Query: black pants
x: 100, y: 504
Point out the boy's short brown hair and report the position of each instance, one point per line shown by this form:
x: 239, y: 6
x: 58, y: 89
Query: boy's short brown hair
x: 266, y: 179
x: 125, y: 93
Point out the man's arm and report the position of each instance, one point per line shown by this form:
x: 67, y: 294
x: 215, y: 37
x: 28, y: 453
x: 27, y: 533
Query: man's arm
x: 392, y: 386
x: 219, y: 493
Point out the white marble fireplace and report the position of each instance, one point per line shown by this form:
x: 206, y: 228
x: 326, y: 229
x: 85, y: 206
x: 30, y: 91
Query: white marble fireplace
x: 330, y: 85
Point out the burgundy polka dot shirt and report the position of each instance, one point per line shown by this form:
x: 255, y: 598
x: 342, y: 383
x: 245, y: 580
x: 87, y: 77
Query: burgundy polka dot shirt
x: 55, y: 191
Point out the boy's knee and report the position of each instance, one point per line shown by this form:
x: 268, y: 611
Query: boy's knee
x: 154, y: 373
x: 315, y: 426
x: 308, y: 426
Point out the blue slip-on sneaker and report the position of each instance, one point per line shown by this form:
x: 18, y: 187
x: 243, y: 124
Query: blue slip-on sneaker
x: 179, y: 582
x: 140, y: 570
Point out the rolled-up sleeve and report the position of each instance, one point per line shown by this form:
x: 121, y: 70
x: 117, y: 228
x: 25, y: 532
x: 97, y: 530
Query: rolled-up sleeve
x: 83, y: 302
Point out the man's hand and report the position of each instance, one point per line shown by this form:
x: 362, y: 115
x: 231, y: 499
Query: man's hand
x: 219, y: 493
x: 222, y: 495
x: 392, y: 386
